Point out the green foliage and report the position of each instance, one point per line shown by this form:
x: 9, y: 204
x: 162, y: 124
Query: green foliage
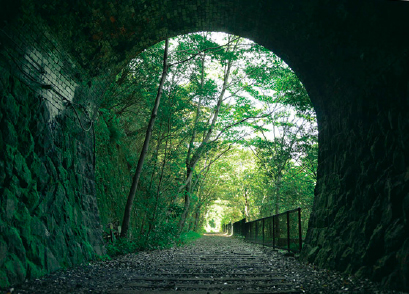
x: 162, y: 239
x: 188, y: 237
x: 260, y: 154
x: 121, y: 247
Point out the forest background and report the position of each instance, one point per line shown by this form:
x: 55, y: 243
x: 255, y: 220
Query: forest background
x: 235, y: 137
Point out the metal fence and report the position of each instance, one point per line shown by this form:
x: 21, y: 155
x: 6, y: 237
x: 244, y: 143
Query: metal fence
x: 283, y: 231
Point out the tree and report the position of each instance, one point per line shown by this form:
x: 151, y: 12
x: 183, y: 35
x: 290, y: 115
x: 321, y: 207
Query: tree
x: 135, y: 180
x: 215, y: 99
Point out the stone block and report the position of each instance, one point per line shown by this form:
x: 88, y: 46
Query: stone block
x: 375, y: 247
x: 9, y: 133
x: 14, y: 243
x: 26, y: 143
x: 16, y: 270
x: 51, y: 169
x: 39, y: 170
x: 10, y: 205
x: 10, y: 108
x: 34, y: 271
x: 3, y: 251
x: 39, y: 229
x: 52, y: 263
x: 2, y: 145
x: 4, y: 281
x: 31, y: 198
x: 394, y: 235
x: 36, y: 252
x: 402, y: 256
x: 59, y: 196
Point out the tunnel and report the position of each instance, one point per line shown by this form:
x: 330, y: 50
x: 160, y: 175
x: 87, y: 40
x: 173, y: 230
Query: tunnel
x: 57, y: 57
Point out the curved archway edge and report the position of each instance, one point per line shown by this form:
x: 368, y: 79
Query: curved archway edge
x: 352, y: 57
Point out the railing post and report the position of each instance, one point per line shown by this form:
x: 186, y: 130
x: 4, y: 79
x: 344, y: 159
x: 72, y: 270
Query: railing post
x: 299, y: 227
x: 274, y: 232
x: 256, y: 234
x: 263, y: 231
x: 288, y: 230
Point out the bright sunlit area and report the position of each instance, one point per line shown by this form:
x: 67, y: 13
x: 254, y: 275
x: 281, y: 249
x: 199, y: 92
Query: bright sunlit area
x: 232, y: 134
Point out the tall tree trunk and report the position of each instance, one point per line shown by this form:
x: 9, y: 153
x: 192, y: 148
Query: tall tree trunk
x: 155, y: 158
x: 246, y: 205
x: 277, y: 194
x: 192, y: 161
x: 157, y: 197
x: 135, y: 180
x: 187, y: 201
x: 197, y: 217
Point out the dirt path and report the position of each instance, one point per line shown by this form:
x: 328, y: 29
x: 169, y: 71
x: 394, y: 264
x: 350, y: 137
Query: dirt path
x: 212, y: 264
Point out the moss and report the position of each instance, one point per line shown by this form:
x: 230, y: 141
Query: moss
x: 67, y: 159
x: 15, y: 243
x: 23, y: 218
x: 34, y: 271
x: 36, y: 252
x: 16, y: 271
x: 59, y: 196
x: 60, y: 243
x: 40, y: 172
x: 51, y: 262
x: 22, y: 170
x: 9, y: 159
x: 9, y: 134
x: 68, y: 211
x: 10, y: 109
x: 88, y: 250
x: 75, y: 252
x: 2, y: 144
x: 4, y: 281
x: 38, y: 228
x: 26, y: 142
x: 70, y: 191
x: 10, y: 204
x: 31, y: 198
x: 20, y: 91
x: 3, y: 251
x: 51, y: 168
x: 63, y: 174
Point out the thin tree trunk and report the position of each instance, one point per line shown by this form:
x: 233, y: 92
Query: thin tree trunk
x: 277, y: 194
x: 246, y: 205
x: 155, y: 159
x: 157, y: 197
x: 197, y: 217
x: 191, y: 164
x: 135, y: 180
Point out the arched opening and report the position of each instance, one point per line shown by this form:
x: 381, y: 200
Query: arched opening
x: 357, y: 80
x: 234, y: 124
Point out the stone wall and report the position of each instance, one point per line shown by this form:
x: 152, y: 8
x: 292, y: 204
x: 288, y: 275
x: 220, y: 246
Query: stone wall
x: 351, y: 56
x: 48, y: 212
x: 360, y: 220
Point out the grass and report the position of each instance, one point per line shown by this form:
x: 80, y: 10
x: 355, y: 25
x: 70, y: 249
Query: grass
x: 126, y: 246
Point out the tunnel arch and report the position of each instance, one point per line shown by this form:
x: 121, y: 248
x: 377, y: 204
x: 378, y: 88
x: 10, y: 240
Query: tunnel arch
x: 351, y: 57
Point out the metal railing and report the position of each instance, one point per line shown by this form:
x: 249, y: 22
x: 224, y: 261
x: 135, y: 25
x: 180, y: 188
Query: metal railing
x: 283, y: 230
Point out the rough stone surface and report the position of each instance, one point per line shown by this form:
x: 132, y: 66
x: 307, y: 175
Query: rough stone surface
x: 38, y: 140
x: 352, y: 56
x: 212, y: 264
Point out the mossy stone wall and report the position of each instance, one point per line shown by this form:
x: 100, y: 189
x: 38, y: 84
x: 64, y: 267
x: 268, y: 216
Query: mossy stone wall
x: 48, y: 213
x: 352, y: 57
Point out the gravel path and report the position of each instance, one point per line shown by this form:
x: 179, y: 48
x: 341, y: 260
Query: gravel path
x: 211, y: 264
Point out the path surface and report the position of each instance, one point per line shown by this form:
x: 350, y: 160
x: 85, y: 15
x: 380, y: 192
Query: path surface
x: 214, y: 264
x: 211, y: 264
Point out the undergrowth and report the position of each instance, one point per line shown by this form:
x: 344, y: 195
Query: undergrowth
x: 124, y: 246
